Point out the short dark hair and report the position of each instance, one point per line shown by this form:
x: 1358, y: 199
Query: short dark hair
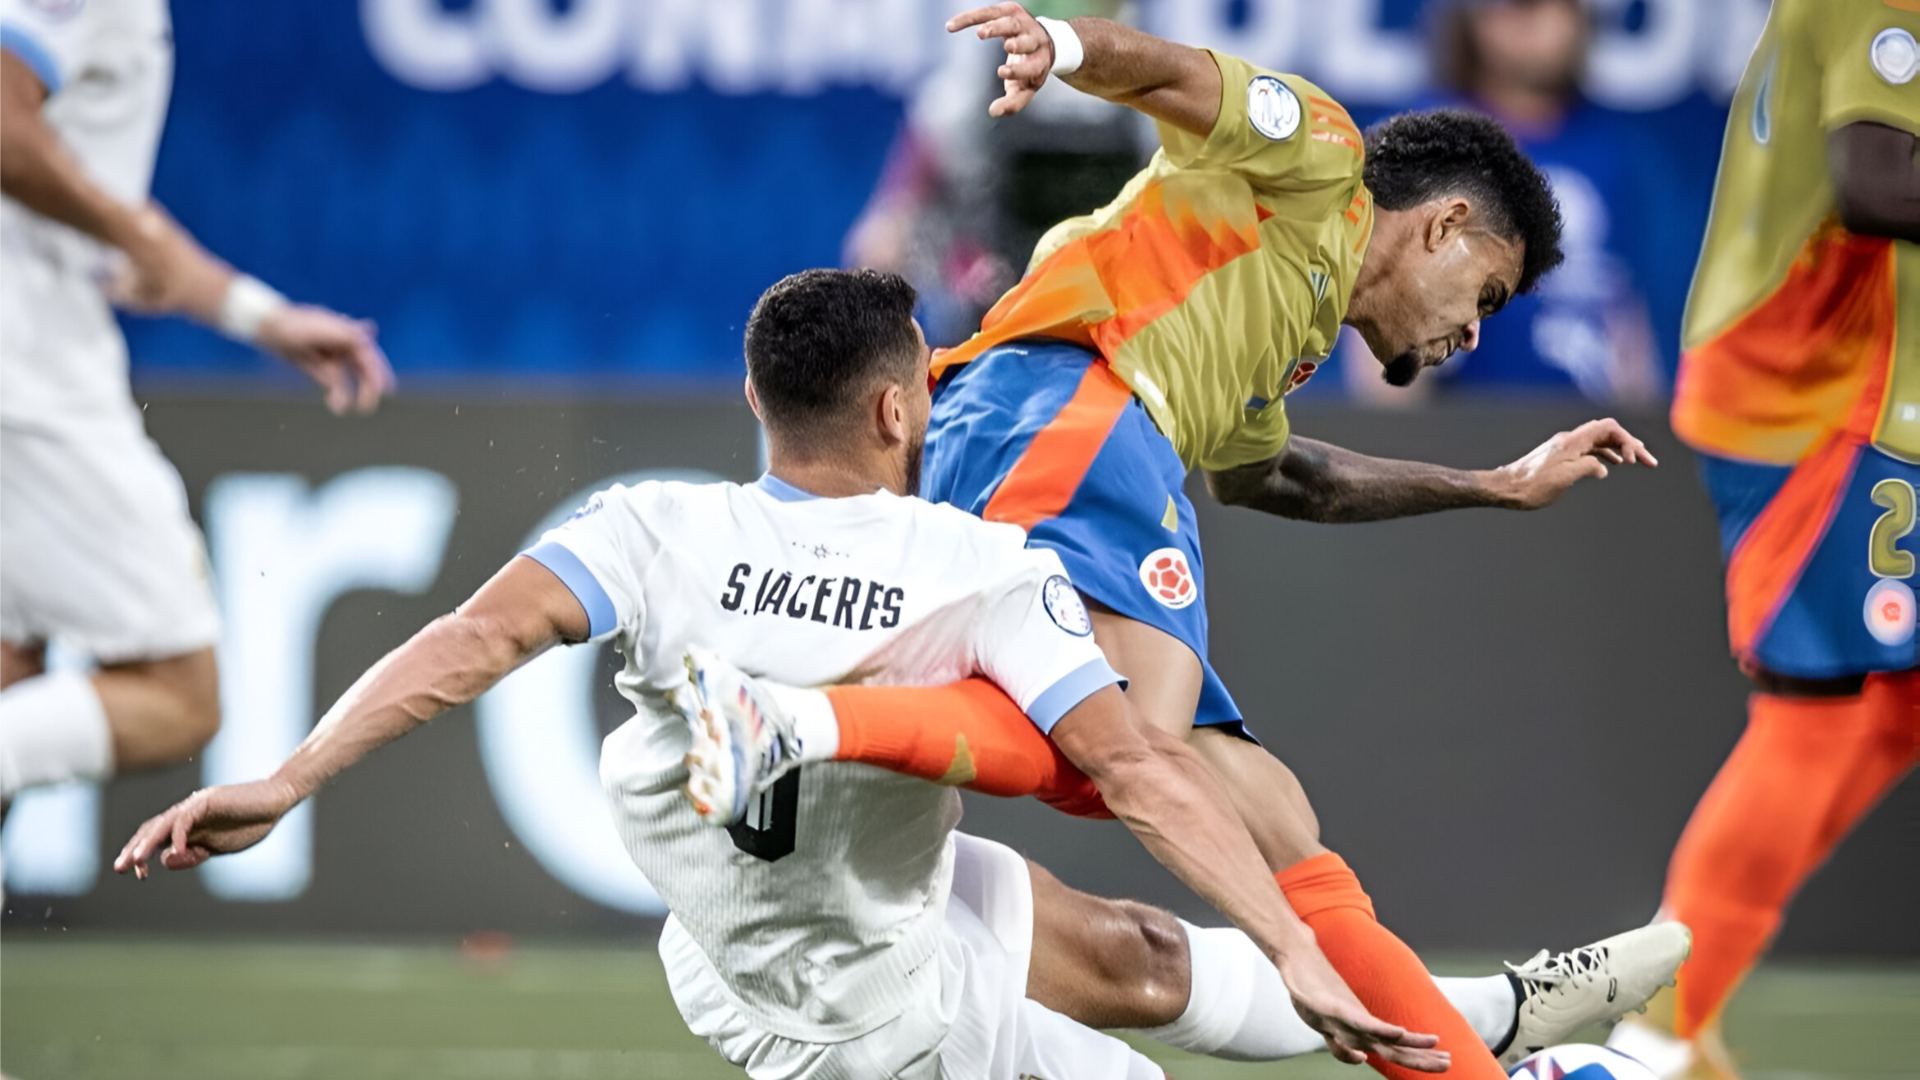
x: 1418, y: 156
x: 820, y: 340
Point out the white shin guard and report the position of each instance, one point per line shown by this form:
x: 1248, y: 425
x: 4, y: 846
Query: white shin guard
x: 52, y: 729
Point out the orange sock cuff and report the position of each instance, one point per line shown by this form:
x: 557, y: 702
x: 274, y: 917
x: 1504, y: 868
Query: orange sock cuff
x: 1321, y: 884
x: 869, y: 727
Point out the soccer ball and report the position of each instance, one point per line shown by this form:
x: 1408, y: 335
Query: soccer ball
x: 1580, y: 1061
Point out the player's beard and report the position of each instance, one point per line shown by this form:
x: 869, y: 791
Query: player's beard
x: 1402, y: 369
x: 914, y: 450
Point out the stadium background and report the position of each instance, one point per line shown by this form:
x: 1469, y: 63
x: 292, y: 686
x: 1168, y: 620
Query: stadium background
x: 559, y: 214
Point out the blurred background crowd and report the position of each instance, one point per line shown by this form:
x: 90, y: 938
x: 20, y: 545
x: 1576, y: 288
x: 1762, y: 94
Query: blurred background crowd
x: 594, y: 192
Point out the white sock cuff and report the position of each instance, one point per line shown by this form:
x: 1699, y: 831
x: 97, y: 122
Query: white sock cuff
x: 53, y: 729
x: 1222, y: 973
x: 814, y: 722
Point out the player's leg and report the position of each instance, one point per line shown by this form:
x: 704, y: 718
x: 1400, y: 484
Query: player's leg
x: 1804, y: 772
x: 1122, y: 964
x: 96, y: 548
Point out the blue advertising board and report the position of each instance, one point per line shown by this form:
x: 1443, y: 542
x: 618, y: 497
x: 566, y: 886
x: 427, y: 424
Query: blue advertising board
x: 597, y: 189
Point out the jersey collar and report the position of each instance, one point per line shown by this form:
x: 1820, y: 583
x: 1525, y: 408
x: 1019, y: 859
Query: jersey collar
x: 782, y: 490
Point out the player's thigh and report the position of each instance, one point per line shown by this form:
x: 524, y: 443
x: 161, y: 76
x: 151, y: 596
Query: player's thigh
x: 96, y: 546
x: 1163, y: 674
x: 1265, y: 793
x: 1105, y: 963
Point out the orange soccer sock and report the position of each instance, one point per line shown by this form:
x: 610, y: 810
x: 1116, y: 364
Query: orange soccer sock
x: 1386, y: 975
x: 968, y: 733
x: 1806, y: 770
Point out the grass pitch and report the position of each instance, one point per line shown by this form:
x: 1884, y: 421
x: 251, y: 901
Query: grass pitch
x: 131, y: 1009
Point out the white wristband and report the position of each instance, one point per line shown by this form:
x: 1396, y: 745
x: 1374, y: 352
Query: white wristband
x: 1067, y: 50
x: 248, y: 303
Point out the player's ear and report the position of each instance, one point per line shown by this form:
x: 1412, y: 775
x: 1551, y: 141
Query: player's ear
x: 1450, y: 218
x: 893, y: 414
x: 753, y: 400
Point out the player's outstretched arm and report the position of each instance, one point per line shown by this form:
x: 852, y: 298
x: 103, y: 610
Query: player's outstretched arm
x: 514, y: 617
x: 1875, y: 180
x: 167, y: 271
x: 1316, y: 481
x: 1171, y: 800
x: 1173, y: 83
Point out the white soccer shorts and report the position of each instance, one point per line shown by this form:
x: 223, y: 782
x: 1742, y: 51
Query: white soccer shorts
x: 96, y: 547
x: 978, y: 1026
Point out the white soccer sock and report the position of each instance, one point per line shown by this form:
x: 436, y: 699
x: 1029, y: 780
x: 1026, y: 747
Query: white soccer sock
x: 814, y: 723
x: 1239, y: 1009
x: 52, y: 729
x: 1488, y: 1004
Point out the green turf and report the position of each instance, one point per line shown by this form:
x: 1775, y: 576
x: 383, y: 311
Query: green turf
x: 167, y: 1010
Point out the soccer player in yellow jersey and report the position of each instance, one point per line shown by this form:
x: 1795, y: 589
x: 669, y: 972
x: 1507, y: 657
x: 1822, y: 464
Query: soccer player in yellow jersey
x: 1800, y: 386
x: 1162, y: 333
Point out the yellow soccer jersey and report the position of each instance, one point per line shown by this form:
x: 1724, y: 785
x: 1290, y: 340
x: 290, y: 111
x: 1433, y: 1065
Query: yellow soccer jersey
x: 1796, y: 327
x: 1217, y: 280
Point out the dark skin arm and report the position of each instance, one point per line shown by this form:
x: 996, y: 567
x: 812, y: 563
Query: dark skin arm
x: 1316, y: 481
x: 1168, y: 796
x: 1875, y: 180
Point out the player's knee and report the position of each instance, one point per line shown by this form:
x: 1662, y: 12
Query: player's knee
x: 1159, y: 944
x: 19, y: 661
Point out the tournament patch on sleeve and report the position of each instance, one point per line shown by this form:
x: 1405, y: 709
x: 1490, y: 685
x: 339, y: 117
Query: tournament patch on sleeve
x: 1895, y: 56
x: 1273, y: 108
x: 1064, y: 607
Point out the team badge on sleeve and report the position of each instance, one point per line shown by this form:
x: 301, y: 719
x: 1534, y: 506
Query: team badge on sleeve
x: 1064, y: 607
x: 1168, y: 578
x: 1275, y: 110
x: 1896, y: 58
x: 1889, y: 612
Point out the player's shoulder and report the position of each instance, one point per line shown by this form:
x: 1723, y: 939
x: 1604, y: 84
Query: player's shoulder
x: 657, y: 498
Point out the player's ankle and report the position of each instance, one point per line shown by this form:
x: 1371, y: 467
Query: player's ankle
x: 815, y: 725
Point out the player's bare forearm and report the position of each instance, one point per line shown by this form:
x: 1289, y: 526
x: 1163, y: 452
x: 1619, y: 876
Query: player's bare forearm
x: 514, y: 617
x: 1876, y: 180
x: 1315, y: 481
x: 1171, y: 800
x: 1173, y: 83
x: 38, y: 172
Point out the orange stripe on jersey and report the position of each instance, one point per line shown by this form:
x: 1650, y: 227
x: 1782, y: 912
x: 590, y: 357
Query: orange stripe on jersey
x: 1810, y: 358
x: 1767, y: 562
x: 1904, y: 5
x: 1042, y: 482
x: 1155, y: 256
x: 1048, y: 302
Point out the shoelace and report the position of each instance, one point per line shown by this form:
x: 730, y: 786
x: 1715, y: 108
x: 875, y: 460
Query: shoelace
x: 1552, y: 973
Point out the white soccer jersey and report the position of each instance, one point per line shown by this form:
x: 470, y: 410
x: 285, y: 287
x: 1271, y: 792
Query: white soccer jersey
x: 108, y: 69
x: 823, y: 911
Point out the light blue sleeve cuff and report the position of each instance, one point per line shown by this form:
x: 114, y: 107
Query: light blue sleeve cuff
x: 1077, y: 686
x: 22, y: 43
x: 575, y: 576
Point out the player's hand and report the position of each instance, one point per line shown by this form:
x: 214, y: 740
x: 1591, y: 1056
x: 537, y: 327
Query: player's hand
x: 211, y: 821
x: 1029, y: 51
x: 337, y: 352
x: 1544, y: 475
x: 166, y: 271
x: 1323, y: 1000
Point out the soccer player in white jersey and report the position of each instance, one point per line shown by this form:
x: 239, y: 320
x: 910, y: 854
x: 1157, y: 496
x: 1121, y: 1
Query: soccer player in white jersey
x: 96, y: 548
x: 844, y: 929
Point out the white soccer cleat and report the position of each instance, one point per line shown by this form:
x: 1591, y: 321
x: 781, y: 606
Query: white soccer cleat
x: 1594, y: 984
x: 742, y: 740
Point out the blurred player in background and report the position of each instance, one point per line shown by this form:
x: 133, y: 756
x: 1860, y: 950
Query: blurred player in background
x: 1162, y: 333
x: 96, y: 548
x: 1800, y: 386
x: 1587, y: 327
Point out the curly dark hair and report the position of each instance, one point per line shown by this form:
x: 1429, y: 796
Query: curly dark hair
x: 820, y: 340
x: 1418, y: 156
